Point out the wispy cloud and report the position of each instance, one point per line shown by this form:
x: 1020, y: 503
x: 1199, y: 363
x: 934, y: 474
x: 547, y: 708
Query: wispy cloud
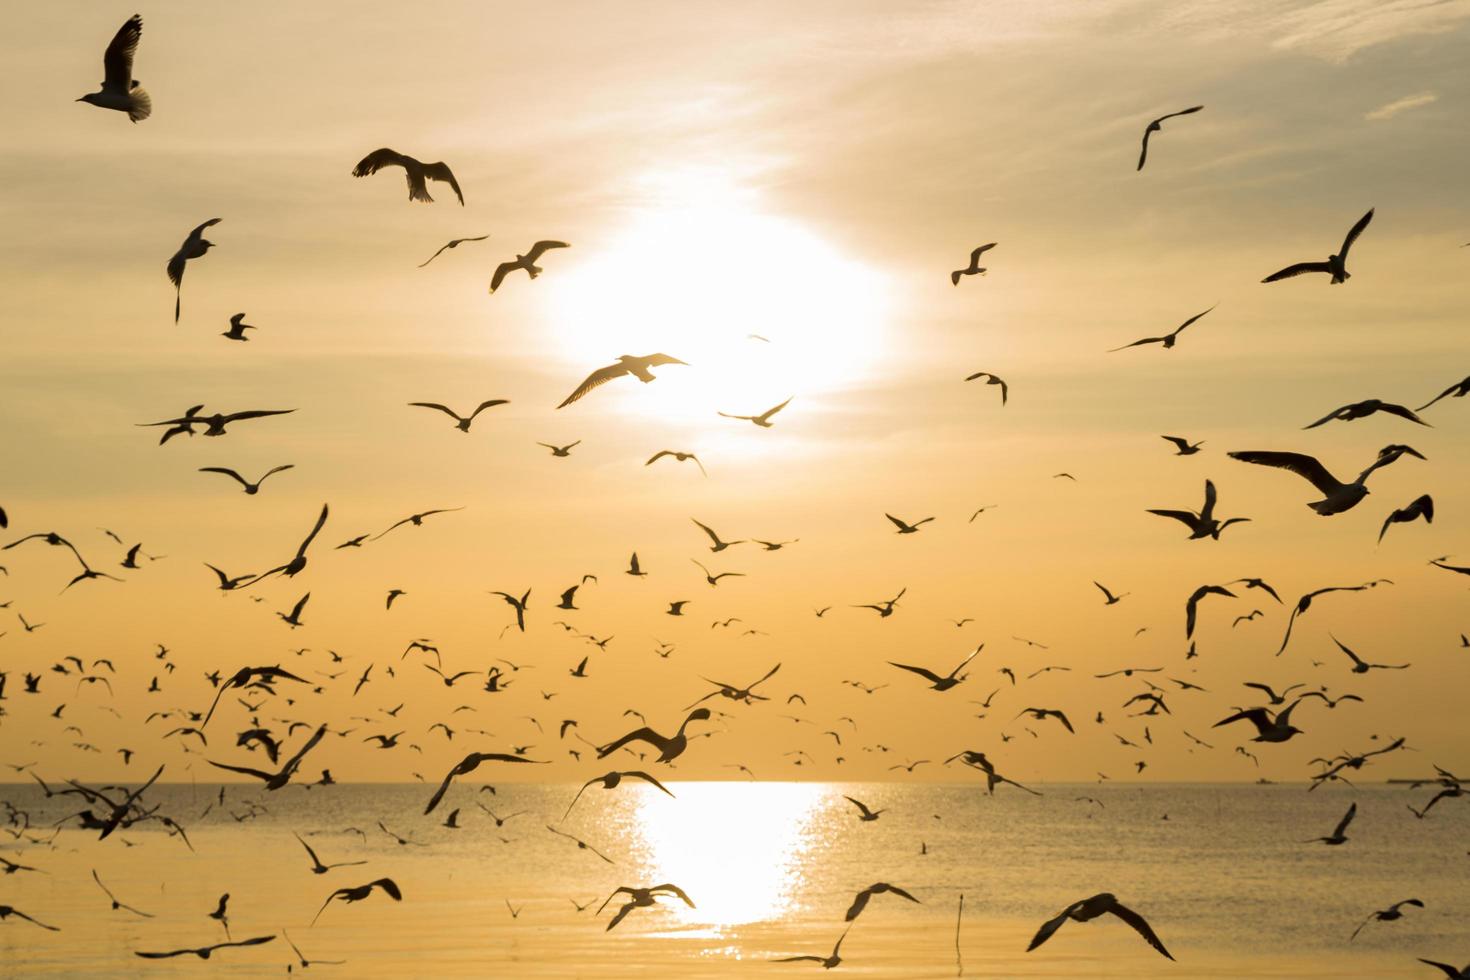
x: 1401, y: 105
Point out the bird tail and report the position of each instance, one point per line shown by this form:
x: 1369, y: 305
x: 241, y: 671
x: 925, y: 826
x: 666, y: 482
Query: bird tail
x: 178, y: 302
x: 140, y: 105
x: 419, y: 191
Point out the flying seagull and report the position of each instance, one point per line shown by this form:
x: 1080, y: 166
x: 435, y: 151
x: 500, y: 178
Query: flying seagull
x: 250, y: 488
x: 194, y: 247
x: 763, y: 419
x: 1203, y: 524
x: 1091, y: 908
x: 974, y: 267
x: 461, y: 422
x: 1338, y: 496
x: 238, y: 326
x: 993, y: 379
x: 1335, y: 266
x: 417, y: 173
x: 627, y: 364
x: 1184, y: 446
x: 526, y: 262
x: 678, y: 456
x: 1157, y: 126
x: 1421, y: 506
x: 1457, y: 390
x: 1168, y: 340
x: 1363, y: 409
x: 453, y: 243
x: 119, y: 89
x: 936, y: 682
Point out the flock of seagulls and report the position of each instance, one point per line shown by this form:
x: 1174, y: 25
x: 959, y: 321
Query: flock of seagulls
x: 264, y: 698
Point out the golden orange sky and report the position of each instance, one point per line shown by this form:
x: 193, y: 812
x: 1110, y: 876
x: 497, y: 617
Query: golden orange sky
x: 807, y: 175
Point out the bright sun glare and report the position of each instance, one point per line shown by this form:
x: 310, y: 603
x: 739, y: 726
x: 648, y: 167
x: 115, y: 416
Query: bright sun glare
x: 693, y: 273
x: 739, y: 864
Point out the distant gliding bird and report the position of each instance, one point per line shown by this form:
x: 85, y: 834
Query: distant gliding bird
x: 627, y: 364
x: 238, y: 326
x: 525, y: 262
x: 1168, y: 340
x: 462, y: 422
x: 1157, y: 126
x: 194, y: 247
x: 680, y: 457
x: 993, y: 379
x: 1203, y: 524
x: 1091, y: 908
x: 204, y: 952
x: 1338, y: 496
x: 453, y: 243
x: 1363, y: 409
x: 250, y: 488
x: 611, y: 781
x: 417, y: 173
x: 1421, y: 506
x: 974, y: 267
x: 214, y: 425
x: 350, y: 895
x: 1335, y: 265
x: 1389, y: 914
x: 763, y: 419
x: 119, y: 89
x: 1184, y: 446
x: 941, y: 683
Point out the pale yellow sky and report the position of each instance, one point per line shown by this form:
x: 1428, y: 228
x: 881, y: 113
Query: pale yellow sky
x: 808, y: 175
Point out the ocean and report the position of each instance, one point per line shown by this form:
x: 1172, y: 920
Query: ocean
x: 1222, y: 873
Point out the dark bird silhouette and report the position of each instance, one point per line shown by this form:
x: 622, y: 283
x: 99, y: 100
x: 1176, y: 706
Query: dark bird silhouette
x: 763, y: 419
x: 357, y: 894
x: 6, y: 911
x: 993, y: 379
x: 936, y: 682
x: 1421, y: 506
x: 525, y: 262
x: 214, y: 425
x: 519, y: 605
x: 1339, y: 835
x: 418, y: 174
x: 562, y: 451
x: 1449, y: 971
x: 1203, y: 524
x: 973, y: 269
x: 860, y: 901
x: 1167, y: 340
x: 678, y: 456
x: 462, y: 422
x: 293, y: 618
x: 238, y: 326
x: 250, y: 488
x: 453, y: 243
x: 828, y: 962
x: 317, y: 867
x: 1157, y: 126
x: 276, y: 780
x: 1091, y: 908
x: 1457, y: 390
x: 1363, y: 409
x: 468, y: 765
x: 627, y: 364
x: 1108, y: 598
x: 641, y: 898
x: 610, y: 781
x: 1191, y: 607
x: 204, y: 952
x: 906, y: 528
x: 1360, y: 666
x: 716, y: 544
x: 1390, y: 914
x: 1041, y: 714
x: 669, y: 748
x: 1184, y: 446
x: 116, y: 905
x: 1335, y: 266
x: 864, y: 814
x: 194, y: 247
x: 119, y: 90
x: 1305, y: 603
x: 417, y: 520
x: 1269, y: 727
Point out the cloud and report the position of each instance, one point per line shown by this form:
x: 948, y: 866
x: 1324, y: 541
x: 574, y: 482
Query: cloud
x: 1401, y: 105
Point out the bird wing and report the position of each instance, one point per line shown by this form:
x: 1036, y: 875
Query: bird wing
x: 441, y: 171
x: 1143, y: 153
x: 541, y: 247
x: 1347, y: 818
x: 922, y: 672
x: 227, y: 472
x: 1354, y: 232
x: 489, y: 403
x: 896, y: 522
x: 1296, y: 270
x: 1180, y: 329
x: 1335, y: 413
x: 390, y: 886
x: 1183, y: 516
x: 1306, y: 467
x: 658, y: 456
x: 596, y: 379
x: 443, y: 408
x: 1402, y: 412
x: 164, y: 956
x: 1138, y: 343
x: 772, y: 411
x: 263, y: 776
x: 858, y: 904
x: 377, y: 160
x: 1048, y: 928
x: 320, y: 521
x: 1140, y: 926
x: 639, y: 774
x: 117, y: 60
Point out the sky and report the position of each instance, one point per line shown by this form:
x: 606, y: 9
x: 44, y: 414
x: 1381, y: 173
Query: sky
x: 808, y: 175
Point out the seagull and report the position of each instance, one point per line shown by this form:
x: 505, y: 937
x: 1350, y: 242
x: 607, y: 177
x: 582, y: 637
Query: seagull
x: 519, y: 605
x: 864, y: 814
x: 1389, y: 914
x: 904, y: 527
x: 828, y: 962
x: 627, y: 364
x: 883, y: 609
x: 993, y: 379
x: 416, y: 172
x: 119, y: 90
x: 214, y: 424
x: 116, y: 905
x: 1269, y: 728
x: 468, y: 765
x: 1041, y: 714
x: 1305, y: 603
x: 417, y: 520
x: 641, y: 898
x: 194, y: 247
x: 274, y: 781
x: 238, y: 326
x: 317, y: 867
x: 250, y: 488
x: 669, y: 748
x: 763, y: 419
x: 1091, y: 908
x: 1184, y: 446
x: 1337, y: 496
x: 1359, y: 665
x: 561, y: 450
x: 1271, y: 694
x: 678, y: 456
x: 1338, y: 836
x: 204, y: 952
x: 1203, y: 524
x: 1191, y: 607
x: 974, y: 267
x: 610, y: 781
x: 860, y: 901
x: 461, y: 422
x: 453, y: 243
x: 6, y: 911
x: 1457, y: 390
x: 1168, y: 340
x: 526, y: 262
x: 293, y: 619
x: 1363, y: 409
x: 1157, y: 126
x: 717, y: 545
x: 634, y: 568
x: 357, y: 894
x: 1108, y: 598
x: 1421, y: 506
x: 714, y: 580
x: 1335, y: 266
x: 936, y: 682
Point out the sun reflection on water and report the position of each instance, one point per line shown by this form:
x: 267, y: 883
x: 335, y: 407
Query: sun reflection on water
x: 737, y: 851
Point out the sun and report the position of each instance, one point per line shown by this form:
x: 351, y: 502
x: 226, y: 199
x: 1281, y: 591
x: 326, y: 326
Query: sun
x: 759, y: 306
